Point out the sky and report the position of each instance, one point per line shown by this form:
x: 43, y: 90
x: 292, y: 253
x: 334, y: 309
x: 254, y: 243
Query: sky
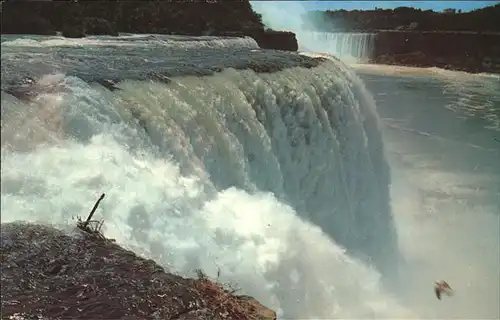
x: 369, y: 5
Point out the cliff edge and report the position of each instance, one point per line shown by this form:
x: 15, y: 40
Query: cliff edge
x: 51, y: 274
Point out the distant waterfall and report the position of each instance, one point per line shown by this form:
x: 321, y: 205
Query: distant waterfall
x: 355, y: 47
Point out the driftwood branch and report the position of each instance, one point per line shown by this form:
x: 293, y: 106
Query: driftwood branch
x: 85, y: 224
x: 92, y: 227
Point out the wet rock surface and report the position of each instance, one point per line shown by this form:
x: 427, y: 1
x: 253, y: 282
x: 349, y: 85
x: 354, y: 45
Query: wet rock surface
x: 51, y: 274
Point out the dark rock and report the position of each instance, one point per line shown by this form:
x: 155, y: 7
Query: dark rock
x: 50, y: 274
x: 73, y: 31
x: 108, y: 84
x: 89, y: 26
x: 30, y: 24
x: 99, y: 26
x: 278, y: 40
x: 465, y: 51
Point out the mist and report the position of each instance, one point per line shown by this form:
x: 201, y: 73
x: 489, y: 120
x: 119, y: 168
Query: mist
x: 349, y: 47
x: 288, y: 17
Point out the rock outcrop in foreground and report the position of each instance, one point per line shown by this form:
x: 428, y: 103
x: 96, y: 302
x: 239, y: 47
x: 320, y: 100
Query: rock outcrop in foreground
x: 50, y: 274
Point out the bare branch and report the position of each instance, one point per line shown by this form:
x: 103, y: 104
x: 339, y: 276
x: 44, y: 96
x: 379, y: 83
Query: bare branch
x: 93, y: 210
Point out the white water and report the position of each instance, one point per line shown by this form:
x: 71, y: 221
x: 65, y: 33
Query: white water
x: 440, y: 129
x: 350, y: 47
x: 188, y: 189
x: 185, y: 167
x: 182, y: 42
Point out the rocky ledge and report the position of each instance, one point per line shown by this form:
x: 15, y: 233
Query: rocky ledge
x: 51, y: 274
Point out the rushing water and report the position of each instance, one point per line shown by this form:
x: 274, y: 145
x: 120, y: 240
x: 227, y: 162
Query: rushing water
x: 279, y: 180
x: 351, y: 47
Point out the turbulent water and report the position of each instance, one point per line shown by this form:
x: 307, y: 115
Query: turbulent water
x: 280, y: 180
x: 269, y: 177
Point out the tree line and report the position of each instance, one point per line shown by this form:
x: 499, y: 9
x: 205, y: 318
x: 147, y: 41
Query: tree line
x: 404, y: 18
x: 104, y: 17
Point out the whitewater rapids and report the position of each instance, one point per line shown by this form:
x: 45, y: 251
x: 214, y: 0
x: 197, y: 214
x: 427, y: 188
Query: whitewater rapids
x: 279, y: 180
